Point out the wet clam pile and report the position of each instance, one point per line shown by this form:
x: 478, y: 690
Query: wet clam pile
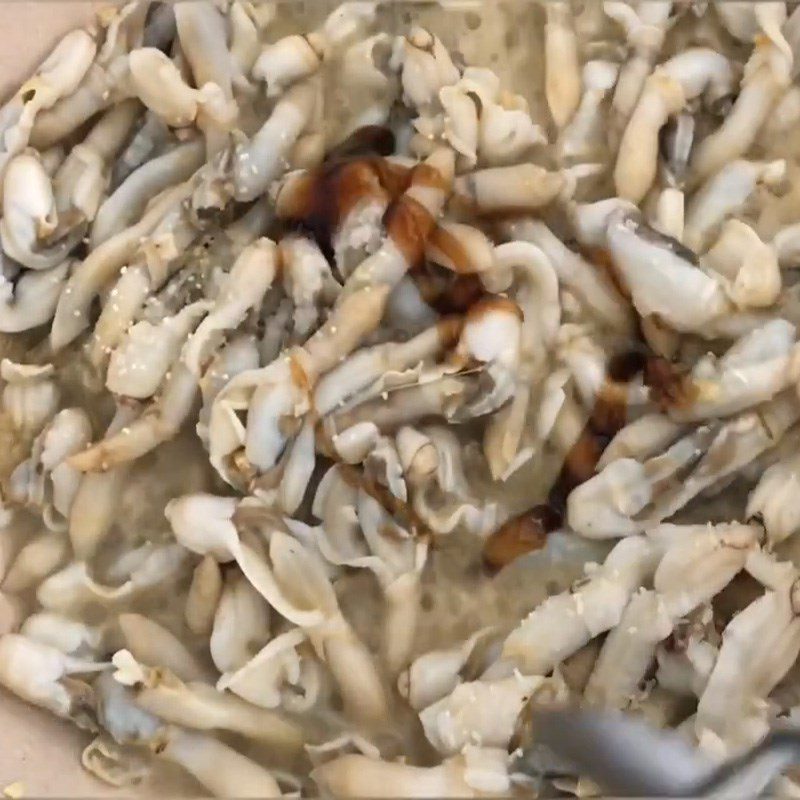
x: 354, y: 405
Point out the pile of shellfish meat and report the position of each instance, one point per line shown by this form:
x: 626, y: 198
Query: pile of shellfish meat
x: 373, y: 375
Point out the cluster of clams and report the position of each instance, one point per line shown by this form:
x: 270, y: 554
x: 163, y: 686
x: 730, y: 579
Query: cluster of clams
x: 354, y: 406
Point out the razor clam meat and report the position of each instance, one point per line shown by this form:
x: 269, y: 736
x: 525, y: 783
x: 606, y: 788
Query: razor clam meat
x: 363, y: 391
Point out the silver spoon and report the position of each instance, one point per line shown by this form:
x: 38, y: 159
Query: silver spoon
x: 627, y: 757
